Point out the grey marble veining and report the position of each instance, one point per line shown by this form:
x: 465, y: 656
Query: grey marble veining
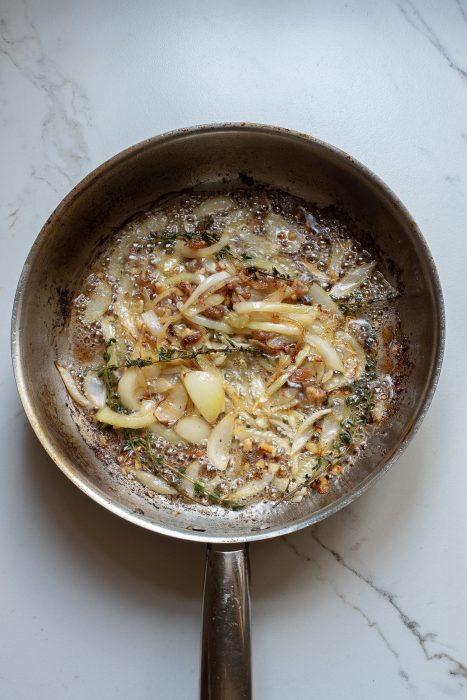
x: 369, y: 604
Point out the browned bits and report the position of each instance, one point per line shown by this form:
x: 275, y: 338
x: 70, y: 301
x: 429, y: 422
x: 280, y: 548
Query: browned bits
x: 191, y: 338
x: 302, y: 375
x: 267, y: 449
x: 315, y: 394
x: 321, y: 485
x: 215, y: 312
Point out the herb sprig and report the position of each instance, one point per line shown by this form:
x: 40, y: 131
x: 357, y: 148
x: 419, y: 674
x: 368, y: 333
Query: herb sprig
x: 140, y: 446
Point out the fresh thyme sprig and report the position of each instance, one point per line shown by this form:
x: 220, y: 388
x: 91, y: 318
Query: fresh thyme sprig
x: 107, y: 374
x: 141, y: 447
x: 201, y: 233
x: 268, y: 273
x: 170, y: 354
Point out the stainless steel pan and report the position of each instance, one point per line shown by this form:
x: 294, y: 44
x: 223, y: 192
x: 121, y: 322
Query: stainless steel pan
x: 216, y: 156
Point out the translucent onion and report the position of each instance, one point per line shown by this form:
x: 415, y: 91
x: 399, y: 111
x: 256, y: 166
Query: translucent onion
x: 252, y: 488
x: 131, y: 387
x: 71, y: 387
x: 154, y: 483
x: 173, y: 406
x: 207, y: 393
x: 303, y: 433
x: 339, y: 250
x: 94, y: 388
x: 187, y: 252
x: 126, y: 317
x: 319, y: 296
x: 98, y: 303
x: 283, y: 309
x: 193, y: 429
x: 142, y: 419
x: 166, y: 433
x: 351, y: 280
x: 213, y: 205
x: 151, y: 322
x: 210, y: 284
x: 200, y: 320
x: 327, y: 352
x: 280, y: 381
x: 220, y: 441
x: 277, y: 328
x: 329, y: 433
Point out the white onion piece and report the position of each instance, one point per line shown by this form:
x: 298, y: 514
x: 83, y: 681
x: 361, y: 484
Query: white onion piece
x: 155, y: 483
x: 210, y: 284
x: 162, y: 431
x: 319, y: 296
x: 187, y: 252
x: 98, y: 303
x: 192, y: 472
x: 283, y: 309
x: 280, y: 381
x: 142, y: 419
x: 94, y: 388
x: 207, y: 393
x: 71, y: 387
x: 339, y: 250
x: 126, y: 318
x: 200, y: 320
x: 351, y: 280
x: 151, y: 322
x: 161, y: 385
x: 130, y: 388
x: 327, y: 352
x: 355, y: 347
x: 193, y: 429
x: 305, y: 429
x: 250, y: 489
x: 220, y: 441
x: 173, y: 406
x: 277, y: 328
x: 329, y: 433
x: 318, y: 274
x: 213, y: 205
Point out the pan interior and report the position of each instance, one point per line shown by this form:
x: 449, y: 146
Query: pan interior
x: 218, y: 157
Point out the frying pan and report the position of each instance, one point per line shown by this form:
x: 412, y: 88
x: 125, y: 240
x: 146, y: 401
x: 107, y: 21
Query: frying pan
x: 222, y: 156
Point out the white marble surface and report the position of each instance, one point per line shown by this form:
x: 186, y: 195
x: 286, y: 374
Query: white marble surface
x: 371, y: 603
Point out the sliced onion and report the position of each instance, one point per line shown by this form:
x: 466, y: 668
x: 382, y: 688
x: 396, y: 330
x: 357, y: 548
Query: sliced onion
x: 152, y: 322
x: 164, y: 432
x: 192, y: 472
x: 161, y: 385
x: 155, y: 483
x: 130, y: 388
x: 200, y: 320
x: 319, y: 296
x: 207, y: 393
x: 329, y: 433
x: 94, y: 388
x: 339, y: 250
x: 249, y: 307
x: 250, y: 489
x: 277, y: 328
x: 127, y: 319
x: 207, y: 251
x: 351, y: 280
x: 220, y: 441
x: 280, y: 381
x: 71, y: 387
x: 193, y: 429
x: 142, y: 419
x: 356, y: 348
x: 213, y: 205
x: 318, y: 274
x: 210, y: 284
x: 98, y: 303
x: 173, y: 407
x: 303, y: 433
x: 327, y: 352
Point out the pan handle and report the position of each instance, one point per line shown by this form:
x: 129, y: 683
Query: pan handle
x: 226, y: 650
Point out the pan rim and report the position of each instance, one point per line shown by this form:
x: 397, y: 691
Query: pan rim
x: 81, y: 481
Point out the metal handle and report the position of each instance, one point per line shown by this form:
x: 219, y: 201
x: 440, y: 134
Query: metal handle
x: 226, y: 650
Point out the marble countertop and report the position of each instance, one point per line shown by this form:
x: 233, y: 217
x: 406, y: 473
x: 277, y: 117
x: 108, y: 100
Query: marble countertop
x: 369, y: 604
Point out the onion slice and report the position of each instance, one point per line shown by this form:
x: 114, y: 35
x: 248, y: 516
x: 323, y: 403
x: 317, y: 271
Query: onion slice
x: 327, y: 352
x: 142, y: 419
x: 94, y: 388
x: 304, y: 431
x: 193, y: 429
x: 207, y: 393
x: 220, y: 441
x: 210, y: 284
x: 173, y: 406
x: 71, y: 387
x: 351, y: 280
x: 155, y: 483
